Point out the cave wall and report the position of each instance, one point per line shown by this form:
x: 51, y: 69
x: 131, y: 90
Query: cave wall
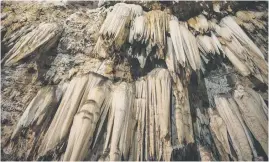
x: 50, y: 60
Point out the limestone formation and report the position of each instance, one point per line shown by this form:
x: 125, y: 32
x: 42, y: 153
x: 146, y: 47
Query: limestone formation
x: 254, y: 113
x: 220, y: 134
x: 199, y: 23
x: 41, y: 39
x: 134, y: 81
x: 245, y: 120
x: 121, y: 106
x: 182, y: 114
x: 235, y: 129
x: 245, y: 48
x: 177, y: 41
x: 70, y: 104
x: 114, y: 31
x: 39, y: 109
x: 85, y: 122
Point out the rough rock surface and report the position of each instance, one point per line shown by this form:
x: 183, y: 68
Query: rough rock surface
x: 160, y: 80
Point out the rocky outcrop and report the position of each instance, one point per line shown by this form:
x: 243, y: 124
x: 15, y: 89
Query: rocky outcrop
x: 134, y: 81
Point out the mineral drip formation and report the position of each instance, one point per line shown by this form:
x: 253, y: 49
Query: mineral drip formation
x: 135, y: 81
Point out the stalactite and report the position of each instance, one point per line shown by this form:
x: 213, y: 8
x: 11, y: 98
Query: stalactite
x: 114, y: 30
x: 141, y: 106
x: 199, y: 23
x: 171, y: 60
x: 235, y: 110
x: 85, y: 122
x: 220, y: 135
x: 177, y: 41
x: 206, y: 45
x: 68, y: 107
x: 163, y: 108
x: 120, y: 119
x: 205, y: 154
x: 126, y: 137
x: 190, y: 48
x: 252, y: 108
x: 155, y: 28
x: 182, y: 114
x: 236, y: 131
x: 217, y: 43
x: 40, y: 39
x: 241, y: 67
x: 39, y: 109
x: 121, y: 103
x: 257, y: 64
x: 137, y: 29
x: 107, y: 110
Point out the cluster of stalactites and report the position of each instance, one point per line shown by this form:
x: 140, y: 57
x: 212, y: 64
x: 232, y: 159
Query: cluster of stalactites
x: 228, y: 38
x: 182, y: 113
x: 39, y: 40
x: 239, y: 118
x: 137, y: 112
x: 209, y: 44
x: 185, y: 45
x: 152, y: 106
x: 243, y: 53
x: 39, y: 109
x: 129, y: 21
x: 199, y: 23
x: 103, y: 102
x: 119, y: 123
x: 138, y: 125
x: 85, y: 122
x: 115, y: 29
x: 251, y: 20
x: 80, y: 102
x: 133, y: 111
x: 150, y: 29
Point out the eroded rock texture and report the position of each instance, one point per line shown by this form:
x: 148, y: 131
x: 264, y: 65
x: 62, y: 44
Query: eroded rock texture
x: 112, y: 81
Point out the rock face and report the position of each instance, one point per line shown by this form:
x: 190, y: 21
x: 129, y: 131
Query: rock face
x: 134, y: 81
